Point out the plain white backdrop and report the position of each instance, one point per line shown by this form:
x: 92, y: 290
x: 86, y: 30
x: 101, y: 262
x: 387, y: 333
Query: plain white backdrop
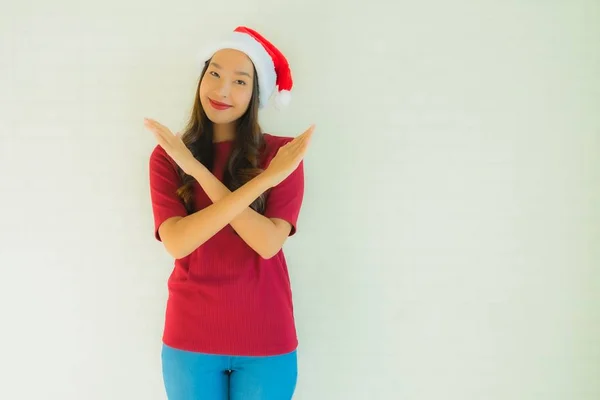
x: 448, y: 246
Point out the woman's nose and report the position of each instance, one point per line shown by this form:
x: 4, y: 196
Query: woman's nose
x: 224, y: 89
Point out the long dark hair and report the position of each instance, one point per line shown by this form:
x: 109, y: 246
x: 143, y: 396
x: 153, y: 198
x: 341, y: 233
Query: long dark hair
x: 243, y: 164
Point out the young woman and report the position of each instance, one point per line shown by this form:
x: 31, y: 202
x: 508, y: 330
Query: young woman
x: 225, y: 197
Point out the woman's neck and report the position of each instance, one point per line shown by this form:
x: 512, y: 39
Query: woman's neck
x: 223, y: 132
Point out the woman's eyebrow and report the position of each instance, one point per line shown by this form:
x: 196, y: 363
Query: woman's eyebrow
x: 214, y: 64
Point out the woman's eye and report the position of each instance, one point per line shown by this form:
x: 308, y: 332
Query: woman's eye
x: 241, y: 82
x: 213, y: 73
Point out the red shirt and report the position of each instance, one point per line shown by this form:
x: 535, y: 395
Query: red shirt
x: 224, y: 298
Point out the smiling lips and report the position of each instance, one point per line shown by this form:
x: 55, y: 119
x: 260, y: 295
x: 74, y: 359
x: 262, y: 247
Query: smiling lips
x: 218, y: 105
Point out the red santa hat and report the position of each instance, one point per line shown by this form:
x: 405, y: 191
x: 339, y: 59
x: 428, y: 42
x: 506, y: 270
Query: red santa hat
x: 272, y: 67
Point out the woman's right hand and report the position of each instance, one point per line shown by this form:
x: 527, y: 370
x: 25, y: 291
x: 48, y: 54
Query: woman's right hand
x: 288, y: 157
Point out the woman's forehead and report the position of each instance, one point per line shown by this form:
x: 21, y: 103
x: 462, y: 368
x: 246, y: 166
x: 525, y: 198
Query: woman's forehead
x: 233, y: 60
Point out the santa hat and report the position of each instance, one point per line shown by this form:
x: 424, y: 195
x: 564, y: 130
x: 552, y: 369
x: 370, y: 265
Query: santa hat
x: 271, y: 65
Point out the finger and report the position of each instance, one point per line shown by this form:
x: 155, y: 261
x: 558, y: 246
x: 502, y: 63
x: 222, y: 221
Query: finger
x: 157, y: 132
x: 160, y: 140
x: 160, y: 128
x: 151, y: 124
x: 310, y: 129
x: 305, y: 137
x: 299, y: 140
x: 299, y: 153
x: 164, y: 129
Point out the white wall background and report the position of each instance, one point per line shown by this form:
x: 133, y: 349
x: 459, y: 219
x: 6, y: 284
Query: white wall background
x: 448, y: 246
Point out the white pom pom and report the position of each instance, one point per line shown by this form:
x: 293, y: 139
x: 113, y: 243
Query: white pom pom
x: 283, y: 98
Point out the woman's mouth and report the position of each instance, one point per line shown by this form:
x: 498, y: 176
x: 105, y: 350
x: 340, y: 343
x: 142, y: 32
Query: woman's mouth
x: 218, y: 105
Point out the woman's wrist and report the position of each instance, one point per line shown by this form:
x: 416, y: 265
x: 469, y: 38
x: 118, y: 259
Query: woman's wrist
x: 198, y: 171
x: 265, y: 180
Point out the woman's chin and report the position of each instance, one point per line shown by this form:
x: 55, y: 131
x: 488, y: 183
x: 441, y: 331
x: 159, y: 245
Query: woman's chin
x: 220, y: 119
x: 221, y: 116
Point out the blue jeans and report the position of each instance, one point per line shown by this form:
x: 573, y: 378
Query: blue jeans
x: 198, y: 376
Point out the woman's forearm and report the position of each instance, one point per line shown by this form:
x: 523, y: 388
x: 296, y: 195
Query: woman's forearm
x: 258, y: 231
x: 188, y: 233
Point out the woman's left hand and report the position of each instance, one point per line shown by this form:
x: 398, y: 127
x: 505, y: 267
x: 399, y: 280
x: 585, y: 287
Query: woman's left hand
x: 173, y: 145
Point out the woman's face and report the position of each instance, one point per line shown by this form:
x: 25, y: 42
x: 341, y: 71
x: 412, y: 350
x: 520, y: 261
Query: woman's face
x: 226, y: 88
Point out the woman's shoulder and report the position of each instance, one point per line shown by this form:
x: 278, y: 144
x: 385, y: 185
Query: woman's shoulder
x: 276, y: 141
x: 158, y: 151
x: 272, y: 145
x: 158, y: 156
